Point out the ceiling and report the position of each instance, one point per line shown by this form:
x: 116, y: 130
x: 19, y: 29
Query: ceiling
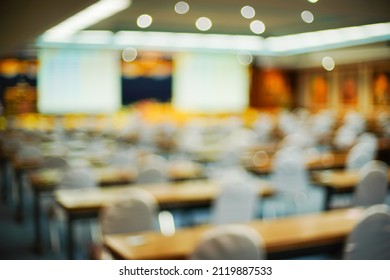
x: 22, y: 21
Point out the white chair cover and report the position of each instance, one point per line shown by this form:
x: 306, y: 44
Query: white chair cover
x: 78, y: 178
x: 359, y: 155
x: 229, y: 242
x: 290, y: 177
x: 55, y: 162
x: 237, y: 201
x: 372, y: 188
x: 151, y: 175
x: 134, y: 212
x: 370, y: 238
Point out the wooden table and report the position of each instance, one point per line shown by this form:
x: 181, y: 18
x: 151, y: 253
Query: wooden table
x: 190, y: 194
x: 44, y: 181
x: 283, y: 238
x: 261, y: 163
x: 336, y: 182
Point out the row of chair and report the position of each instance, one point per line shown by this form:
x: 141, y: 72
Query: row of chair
x: 369, y: 240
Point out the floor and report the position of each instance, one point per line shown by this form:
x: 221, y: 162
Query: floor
x: 16, y: 238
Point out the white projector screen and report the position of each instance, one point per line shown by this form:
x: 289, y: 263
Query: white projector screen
x: 75, y: 80
x: 209, y: 83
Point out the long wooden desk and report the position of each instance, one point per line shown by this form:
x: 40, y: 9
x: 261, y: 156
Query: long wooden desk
x: 283, y: 238
x: 80, y: 204
x: 45, y: 181
x: 263, y: 165
x: 48, y: 179
x: 336, y: 182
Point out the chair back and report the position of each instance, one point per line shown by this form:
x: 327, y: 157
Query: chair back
x: 289, y: 171
x: 78, y: 178
x: 134, y: 212
x: 55, y: 162
x: 150, y: 176
x: 29, y: 152
x: 359, y: 155
x: 370, y: 238
x: 237, y: 202
x: 229, y: 242
x: 372, y: 187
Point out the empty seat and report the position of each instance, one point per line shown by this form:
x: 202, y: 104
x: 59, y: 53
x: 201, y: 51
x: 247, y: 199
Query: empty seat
x: 370, y: 238
x: 372, y: 187
x: 229, y: 242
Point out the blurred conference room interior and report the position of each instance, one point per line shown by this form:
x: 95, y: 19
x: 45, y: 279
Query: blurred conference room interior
x: 154, y: 130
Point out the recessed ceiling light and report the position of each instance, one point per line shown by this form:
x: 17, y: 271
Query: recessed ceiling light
x: 244, y: 57
x: 328, y: 63
x: 129, y: 54
x: 182, y: 7
x: 144, y: 21
x: 203, y: 23
x: 248, y: 12
x: 307, y: 16
x: 257, y: 26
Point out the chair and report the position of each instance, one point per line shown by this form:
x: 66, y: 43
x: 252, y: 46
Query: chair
x: 344, y: 138
x: 359, y: 155
x: 80, y: 163
x: 78, y: 178
x: 151, y: 175
x: 29, y: 153
x: 322, y: 124
x: 290, y: 177
x: 237, y: 201
x: 372, y: 187
x: 121, y: 160
x: 55, y: 162
x: 369, y: 138
x: 301, y: 138
x: 355, y: 121
x: 152, y: 161
x: 135, y: 211
x: 263, y: 127
x: 73, y: 178
x: 239, y: 139
x: 370, y: 238
x: 56, y: 148
x: 287, y: 123
x: 229, y: 242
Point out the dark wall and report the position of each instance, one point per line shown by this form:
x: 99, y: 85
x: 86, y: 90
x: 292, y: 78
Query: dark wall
x: 140, y: 88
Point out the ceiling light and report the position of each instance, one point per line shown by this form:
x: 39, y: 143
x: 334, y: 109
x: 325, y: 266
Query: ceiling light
x: 203, y: 23
x: 144, y: 21
x: 248, y: 12
x: 129, y: 54
x: 244, y: 57
x: 280, y: 45
x: 307, y: 16
x: 313, y: 1
x: 92, y: 37
x: 182, y: 7
x: 188, y: 41
x: 330, y: 38
x: 87, y: 17
x: 328, y: 63
x: 257, y: 26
